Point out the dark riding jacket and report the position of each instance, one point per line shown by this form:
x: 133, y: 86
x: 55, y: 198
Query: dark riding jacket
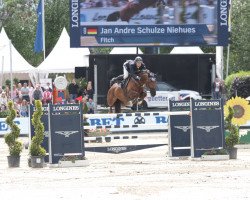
x: 132, y: 69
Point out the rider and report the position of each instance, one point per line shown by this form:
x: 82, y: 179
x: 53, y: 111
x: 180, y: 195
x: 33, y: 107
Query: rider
x: 133, y: 67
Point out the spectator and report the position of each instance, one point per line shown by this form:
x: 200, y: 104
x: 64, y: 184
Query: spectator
x: 3, y: 100
x: 47, y: 85
x: 24, y: 108
x: 17, y: 108
x: 7, y: 91
x: 14, y: 94
x: 91, y: 106
x: 19, y: 94
x: 73, y: 90
x: 89, y: 90
x: 31, y: 89
x: 217, y: 89
x: 25, y: 92
x: 37, y: 94
x: 47, y: 96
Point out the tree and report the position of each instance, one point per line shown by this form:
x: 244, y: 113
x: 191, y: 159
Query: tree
x: 20, y: 19
x: 56, y: 18
x: 240, y: 47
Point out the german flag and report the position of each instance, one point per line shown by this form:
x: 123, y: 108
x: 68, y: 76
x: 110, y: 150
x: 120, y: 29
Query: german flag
x: 92, y: 31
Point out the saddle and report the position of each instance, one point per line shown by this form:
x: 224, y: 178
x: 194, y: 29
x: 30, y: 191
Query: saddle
x: 119, y: 79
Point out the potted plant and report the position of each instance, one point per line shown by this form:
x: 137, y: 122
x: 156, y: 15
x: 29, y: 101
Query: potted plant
x: 15, y: 146
x: 37, y: 152
x: 232, y: 138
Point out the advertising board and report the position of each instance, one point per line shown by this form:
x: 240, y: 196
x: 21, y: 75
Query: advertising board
x: 148, y: 23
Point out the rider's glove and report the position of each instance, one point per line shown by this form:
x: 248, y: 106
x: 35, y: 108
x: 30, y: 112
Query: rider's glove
x: 137, y: 78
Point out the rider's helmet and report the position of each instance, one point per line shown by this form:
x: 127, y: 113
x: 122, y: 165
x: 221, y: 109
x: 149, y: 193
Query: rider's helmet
x: 138, y: 59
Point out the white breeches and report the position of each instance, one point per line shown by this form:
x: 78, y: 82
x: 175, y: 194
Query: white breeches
x: 125, y: 72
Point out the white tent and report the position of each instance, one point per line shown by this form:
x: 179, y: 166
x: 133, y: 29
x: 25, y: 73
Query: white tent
x: 11, y: 58
x: 125, y: 50
x: 186, y: 50
x: 64, y: 59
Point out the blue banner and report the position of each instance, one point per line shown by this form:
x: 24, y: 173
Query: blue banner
x: 38, y: 46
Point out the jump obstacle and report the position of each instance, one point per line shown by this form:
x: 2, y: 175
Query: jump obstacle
x: 206, y: 124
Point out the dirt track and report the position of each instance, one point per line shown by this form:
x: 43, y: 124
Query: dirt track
x: 145, y: 174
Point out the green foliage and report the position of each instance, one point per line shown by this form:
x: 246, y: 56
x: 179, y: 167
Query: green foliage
x: 72, y: 158
x: 85, y: 108
x: 242, y: 86
x: 56, y: 18
x: 101, y: 50
x: 15, y: 81
x: 82, y: 83
x: 35, y: 148
x: 240, y: 49
x: 216, y: 152
x: 15, y: 147
x: 233, y: 137
x: 19, y: 18
x: 8, y: 82
x: 4, y: 113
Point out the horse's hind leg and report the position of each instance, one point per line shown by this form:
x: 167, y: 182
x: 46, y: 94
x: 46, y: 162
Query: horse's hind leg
x: 121, y: 96
x: 111, y: 98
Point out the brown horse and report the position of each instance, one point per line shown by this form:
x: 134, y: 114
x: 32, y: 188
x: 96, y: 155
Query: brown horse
x: 134, y: 90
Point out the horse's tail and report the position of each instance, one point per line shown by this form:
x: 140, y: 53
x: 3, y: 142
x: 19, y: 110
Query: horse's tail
x: 117, y: 105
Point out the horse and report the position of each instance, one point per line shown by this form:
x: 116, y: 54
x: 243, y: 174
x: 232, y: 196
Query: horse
x: 134, y: 89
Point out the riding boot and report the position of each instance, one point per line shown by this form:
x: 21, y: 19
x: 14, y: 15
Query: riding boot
x: 122, y: 83
x: 119, y: 78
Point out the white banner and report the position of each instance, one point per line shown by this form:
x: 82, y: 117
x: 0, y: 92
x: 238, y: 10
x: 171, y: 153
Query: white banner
x: 22, y: 122
x: 152, y: 122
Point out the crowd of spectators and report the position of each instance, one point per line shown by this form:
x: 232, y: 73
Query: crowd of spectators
x: 24, y: 94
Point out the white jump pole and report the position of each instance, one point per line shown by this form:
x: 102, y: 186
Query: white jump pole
x: 136, y: 114
x: 123, y: 126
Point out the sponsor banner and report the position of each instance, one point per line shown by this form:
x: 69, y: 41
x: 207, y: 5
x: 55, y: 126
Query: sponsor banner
x: 157, y: 122
x: 23, y: 124
x: 223, y: 15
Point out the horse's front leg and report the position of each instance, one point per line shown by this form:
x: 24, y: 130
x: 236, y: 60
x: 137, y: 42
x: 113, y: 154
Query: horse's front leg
x: 142, y: 95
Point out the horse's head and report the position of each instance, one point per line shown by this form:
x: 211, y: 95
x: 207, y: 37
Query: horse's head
x: 143, y: 77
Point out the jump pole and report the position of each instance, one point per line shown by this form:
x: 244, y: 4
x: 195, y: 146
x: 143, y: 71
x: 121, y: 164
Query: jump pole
x: 117, y: 115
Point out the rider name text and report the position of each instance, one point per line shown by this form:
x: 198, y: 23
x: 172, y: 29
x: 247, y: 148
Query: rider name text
x: 108, y: 31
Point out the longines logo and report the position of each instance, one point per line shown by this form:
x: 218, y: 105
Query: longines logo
x: 183, y: 128
x: 207, y: 128
x: 116, y: 149
x: 66, y: 133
